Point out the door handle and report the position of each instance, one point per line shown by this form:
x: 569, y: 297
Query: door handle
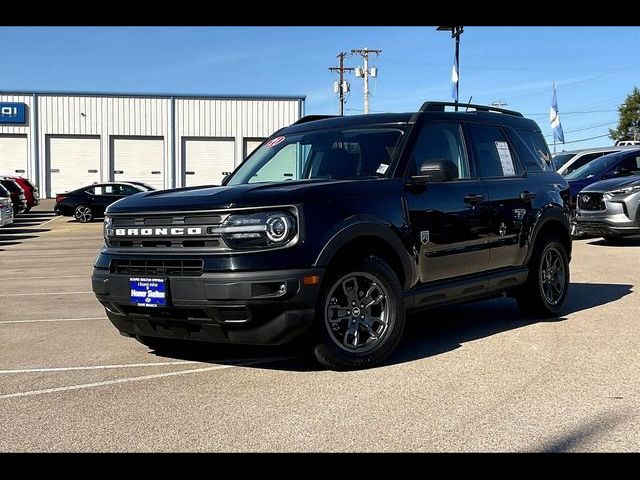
x: 473, y: 198
x: 527, y: 196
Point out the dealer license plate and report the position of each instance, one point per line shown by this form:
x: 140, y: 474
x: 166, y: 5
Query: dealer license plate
x: 148, y: 292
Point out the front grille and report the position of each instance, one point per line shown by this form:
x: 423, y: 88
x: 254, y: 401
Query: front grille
x: 171, y: 268
x: 134, y: 226
x: 591, y: 201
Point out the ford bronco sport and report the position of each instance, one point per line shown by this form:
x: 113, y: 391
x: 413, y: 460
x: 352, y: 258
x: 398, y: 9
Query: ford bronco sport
x: 336, y: 226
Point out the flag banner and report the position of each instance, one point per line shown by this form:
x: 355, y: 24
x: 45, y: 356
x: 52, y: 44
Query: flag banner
x: 454, y: 80
x: 554, y: 118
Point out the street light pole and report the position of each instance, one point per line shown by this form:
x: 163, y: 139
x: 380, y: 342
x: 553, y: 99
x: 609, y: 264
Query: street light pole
x: 455, y: 33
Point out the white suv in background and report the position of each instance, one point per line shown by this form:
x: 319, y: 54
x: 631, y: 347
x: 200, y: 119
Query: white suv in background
x: 567, y: 162
x: 6, y: 207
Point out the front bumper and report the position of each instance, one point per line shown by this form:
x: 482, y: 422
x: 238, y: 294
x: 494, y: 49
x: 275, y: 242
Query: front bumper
x: 259, y: 308
x: 609, y: 222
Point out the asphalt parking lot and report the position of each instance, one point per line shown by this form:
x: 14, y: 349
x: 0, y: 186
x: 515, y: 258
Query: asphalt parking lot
x: 476, y: 377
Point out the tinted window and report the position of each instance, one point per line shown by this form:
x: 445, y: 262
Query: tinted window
x: 583, y: 160
x: 4, y: 192
x: 493, y: 156
x: 128, y: 190
x: 110, y: 189
x: 562, y: 158
x: 595, y: 167
x: 538, y: 146
x: 439, y: 141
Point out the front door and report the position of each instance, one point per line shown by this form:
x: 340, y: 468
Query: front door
x: 449, y: 221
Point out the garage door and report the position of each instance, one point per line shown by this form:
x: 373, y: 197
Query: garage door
x: 139, y: 159
x: 13, y: 155
x: 205, y: 160
x: 251, y: 145
x: 73, y: 162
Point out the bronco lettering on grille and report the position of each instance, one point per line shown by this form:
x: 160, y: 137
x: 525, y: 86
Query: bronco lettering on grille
x: 158, y: 232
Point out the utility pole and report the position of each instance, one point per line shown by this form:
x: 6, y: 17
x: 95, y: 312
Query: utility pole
x: 343, y: 87
x: 365, y: 72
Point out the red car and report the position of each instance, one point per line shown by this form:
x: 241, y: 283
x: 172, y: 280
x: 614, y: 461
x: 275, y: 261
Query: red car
x: 31, y: 192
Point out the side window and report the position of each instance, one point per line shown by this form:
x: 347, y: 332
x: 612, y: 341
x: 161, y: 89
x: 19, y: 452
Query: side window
x: 439, y: 141
x: 630, y: 166
x: 537, y: 144
x: 93, y: 190
x: 583, y: 160
x: 493, y: 156
x: 526, y: 155
x: 110, y: 189
x: 128, y: 190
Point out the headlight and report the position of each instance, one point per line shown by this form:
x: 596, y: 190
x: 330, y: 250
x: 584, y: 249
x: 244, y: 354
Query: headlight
x: 259, y: 230
x: 106, y: 229
x: 624, y: 191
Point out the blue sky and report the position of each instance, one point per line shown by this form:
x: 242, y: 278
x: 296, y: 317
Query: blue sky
x: 594, y: 67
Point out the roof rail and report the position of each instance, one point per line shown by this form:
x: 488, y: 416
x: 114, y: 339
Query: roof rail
x: 439, y: 107
x: 311, y: 118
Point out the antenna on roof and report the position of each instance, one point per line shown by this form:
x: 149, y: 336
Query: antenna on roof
x: 468, y: 103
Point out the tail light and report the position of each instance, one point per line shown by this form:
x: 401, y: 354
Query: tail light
x: 59, y: 198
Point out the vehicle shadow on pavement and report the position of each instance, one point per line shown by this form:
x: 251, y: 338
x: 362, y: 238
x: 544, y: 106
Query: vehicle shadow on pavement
x: 623, y: 242
x: 21, y: 228
x: 427, y: 333
x: 444, y: 329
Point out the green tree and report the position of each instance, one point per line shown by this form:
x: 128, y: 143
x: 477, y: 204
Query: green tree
x: 629, y: 122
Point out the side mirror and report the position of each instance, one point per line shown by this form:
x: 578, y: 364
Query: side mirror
x: 225, y: 178
x: 437, y: 171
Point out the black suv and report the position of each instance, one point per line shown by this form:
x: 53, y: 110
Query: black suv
x: 335, y: 227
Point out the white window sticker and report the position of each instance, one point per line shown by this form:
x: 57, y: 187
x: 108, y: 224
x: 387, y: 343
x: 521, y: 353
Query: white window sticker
x: 638, y: 162
x: 382, y: 169
x: 505, y: 159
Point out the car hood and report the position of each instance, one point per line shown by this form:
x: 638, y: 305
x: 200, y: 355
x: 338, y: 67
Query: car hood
x: 577, y: 185
x: 240, y: 196
x: 614, y: 184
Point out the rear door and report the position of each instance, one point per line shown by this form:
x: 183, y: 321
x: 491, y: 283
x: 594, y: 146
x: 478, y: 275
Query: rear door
x: 449, y: 220
x: 510, y: 192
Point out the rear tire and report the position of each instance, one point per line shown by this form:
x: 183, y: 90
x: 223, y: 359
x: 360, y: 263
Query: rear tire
x: 545, y: 292
x: 360, y: 315
x: 83, y: 214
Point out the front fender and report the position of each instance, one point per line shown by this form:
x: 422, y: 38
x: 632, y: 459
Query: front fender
x: 548, y: 213
x: 361, y: 226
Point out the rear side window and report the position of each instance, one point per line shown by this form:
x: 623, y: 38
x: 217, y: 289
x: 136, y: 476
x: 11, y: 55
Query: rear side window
x: 538, y: 146
x: 583, y: 160
x: 493, y: 156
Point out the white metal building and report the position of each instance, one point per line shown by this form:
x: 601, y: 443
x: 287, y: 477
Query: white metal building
x: 64, y: 140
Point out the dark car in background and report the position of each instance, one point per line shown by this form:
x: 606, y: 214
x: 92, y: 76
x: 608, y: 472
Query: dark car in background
x: 613, y: 165
x: 89, y: 202
x: 31, y: 192
x: 610, y: 208
x: 16, y: 194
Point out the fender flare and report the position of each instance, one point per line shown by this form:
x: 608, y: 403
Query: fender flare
x: 361, y: 228
x: 547, y: 214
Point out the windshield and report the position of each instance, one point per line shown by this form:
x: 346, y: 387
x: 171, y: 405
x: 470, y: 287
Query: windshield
x: 562, y: 158
x: 327, y: 154
x: 594, y: 167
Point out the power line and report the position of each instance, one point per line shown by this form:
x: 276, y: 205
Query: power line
x: 585, y: 139
x: 586, y: 128
x: 569, y: 113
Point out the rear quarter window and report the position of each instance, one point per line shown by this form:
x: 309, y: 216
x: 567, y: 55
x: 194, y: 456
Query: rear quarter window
x: 539, y: 158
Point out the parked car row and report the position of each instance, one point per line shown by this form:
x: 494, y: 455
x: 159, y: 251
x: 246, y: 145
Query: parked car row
x: 17, y: 195
x: 89, y: 202
x: 604, y: 192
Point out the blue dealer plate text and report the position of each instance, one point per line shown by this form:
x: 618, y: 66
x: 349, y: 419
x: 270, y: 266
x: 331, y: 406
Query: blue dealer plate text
x: 148, y: 292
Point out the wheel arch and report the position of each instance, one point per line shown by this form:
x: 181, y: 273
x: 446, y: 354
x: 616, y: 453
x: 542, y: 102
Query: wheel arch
x: 367, y: 237
x: 552, y: 221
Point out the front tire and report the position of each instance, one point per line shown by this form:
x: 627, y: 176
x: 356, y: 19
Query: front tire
x: 360, y: 315
x: 545, y: 292
x: 83, y: 214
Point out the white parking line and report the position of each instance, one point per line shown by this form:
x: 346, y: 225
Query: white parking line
x: 142, y: 378
x: 97, y: 367
x: 47, y: 277
x: 52, y: 220
x: 41, y: 293
x: 53, y: 320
